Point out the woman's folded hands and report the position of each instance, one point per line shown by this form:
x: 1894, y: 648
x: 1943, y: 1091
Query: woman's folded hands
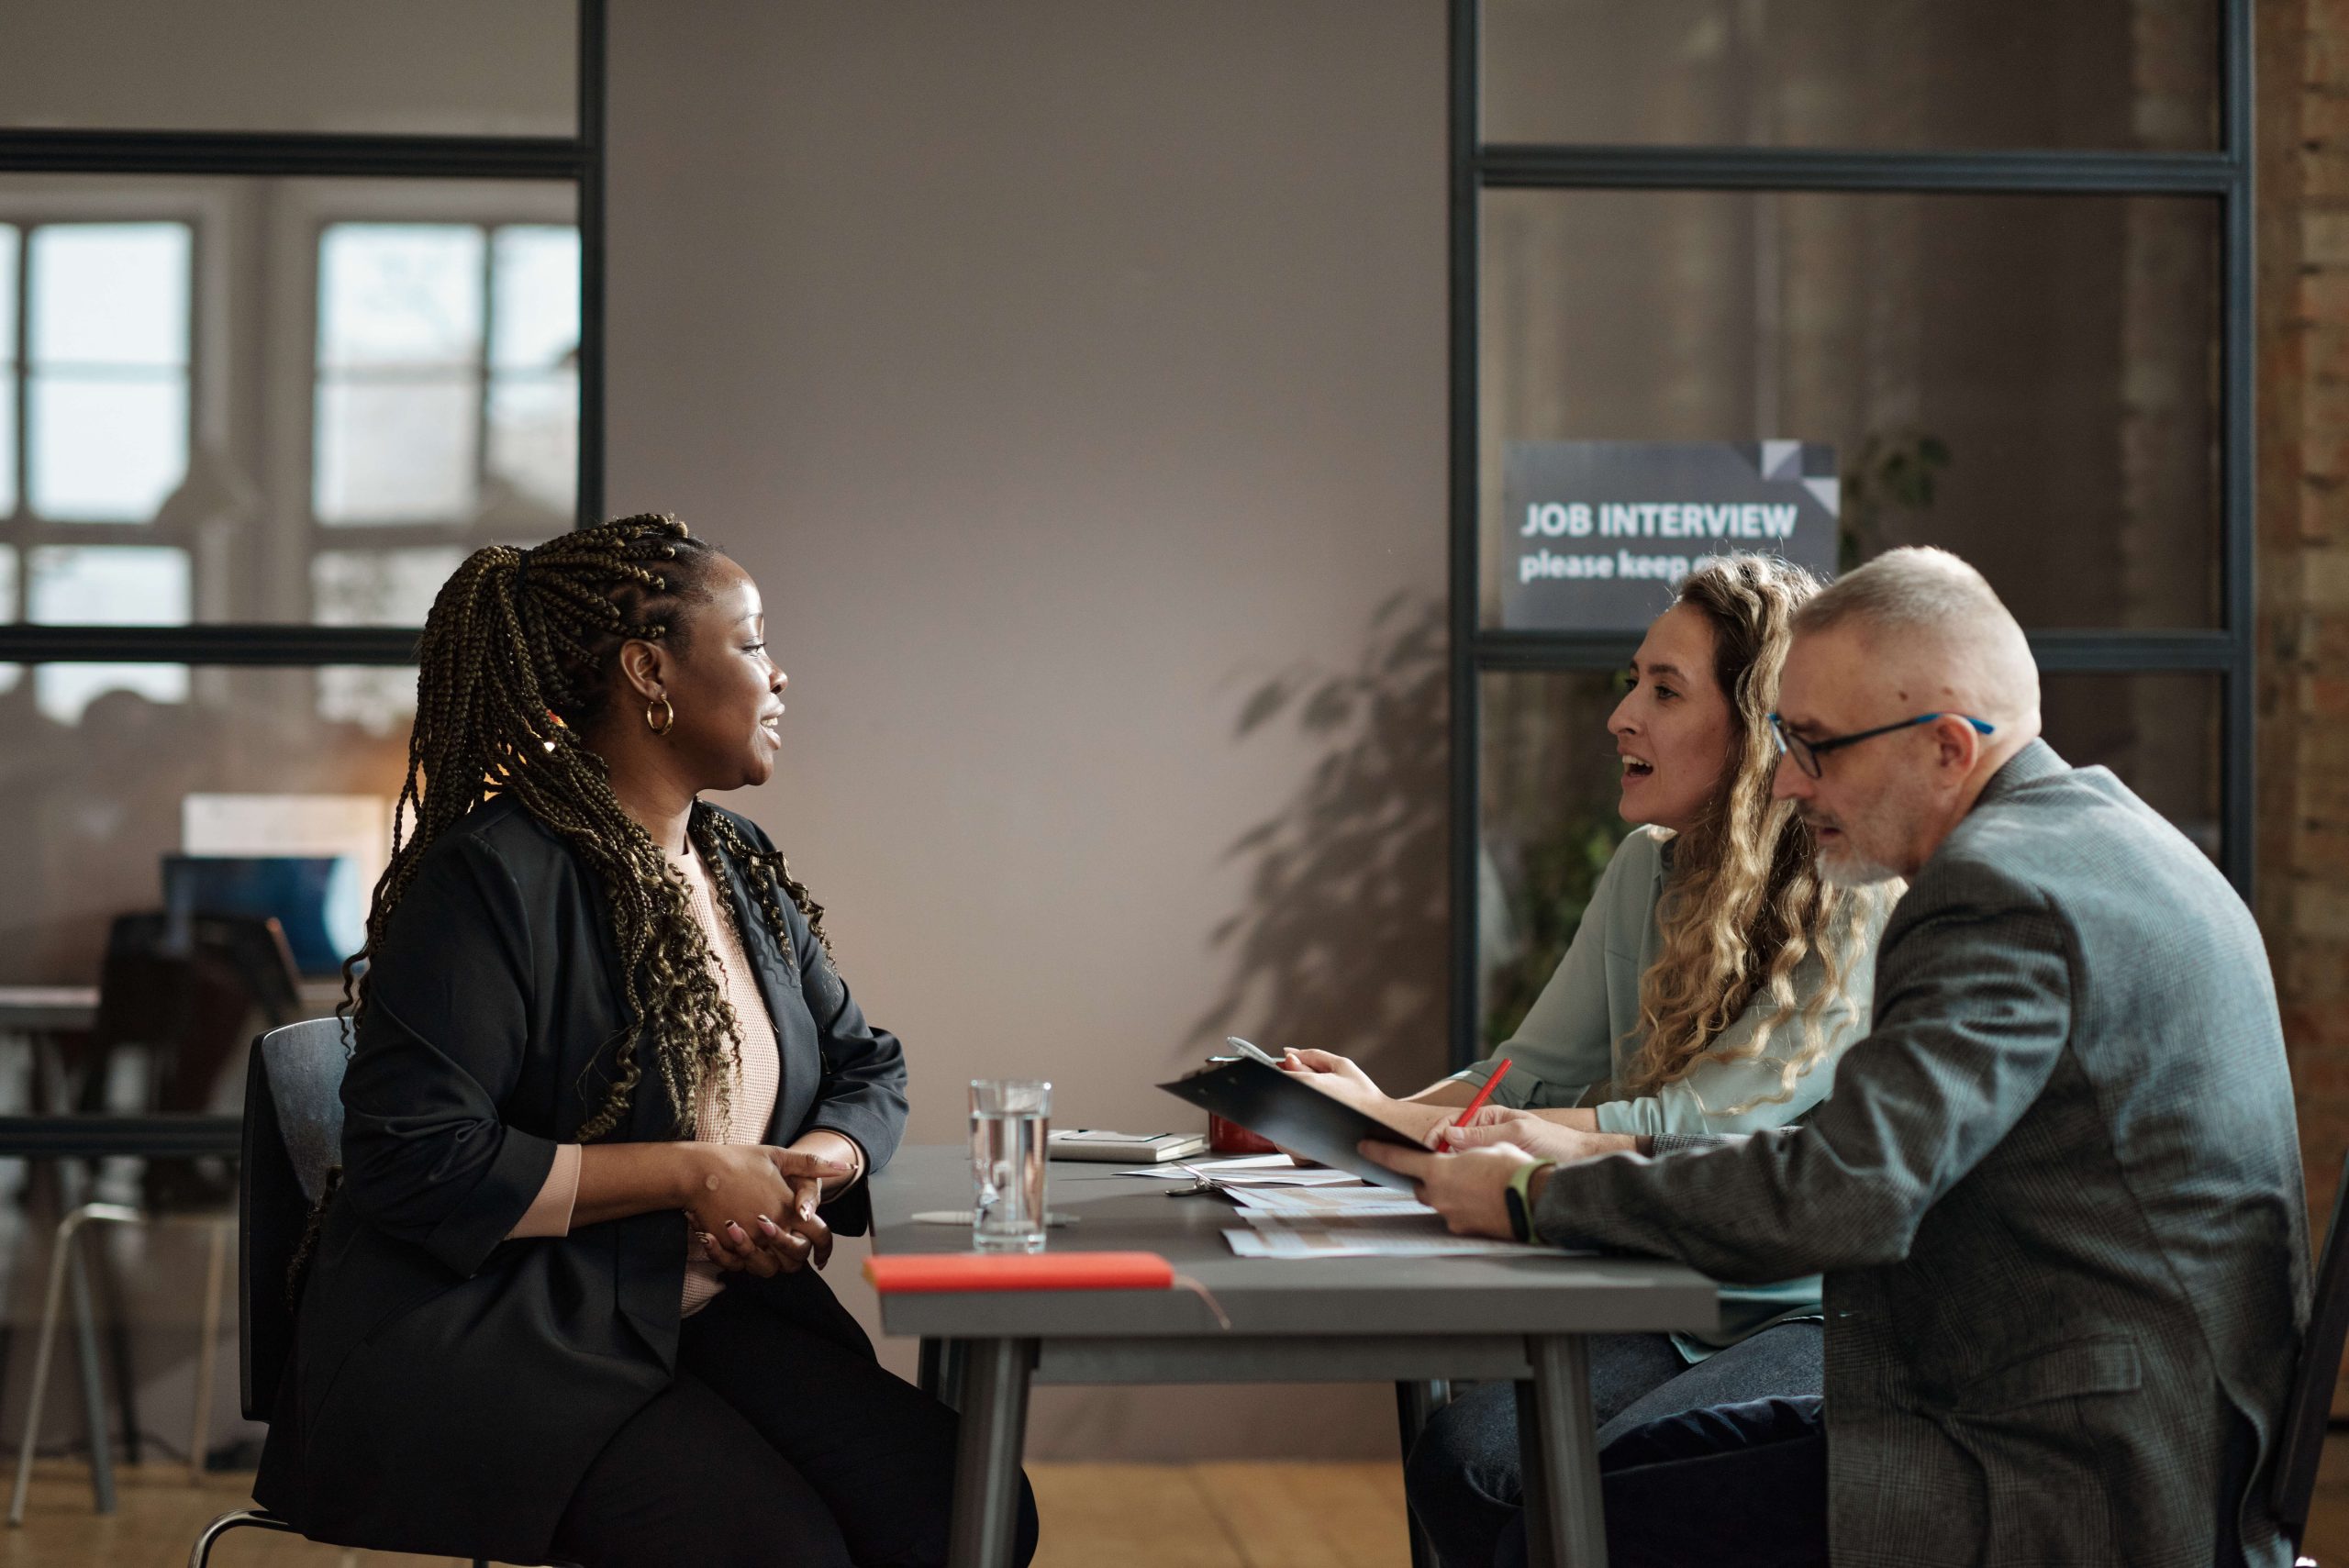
x: 757, y: 1211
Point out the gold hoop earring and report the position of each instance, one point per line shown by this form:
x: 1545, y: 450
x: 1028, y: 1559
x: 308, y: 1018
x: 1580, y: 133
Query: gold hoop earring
x: 668, y: 715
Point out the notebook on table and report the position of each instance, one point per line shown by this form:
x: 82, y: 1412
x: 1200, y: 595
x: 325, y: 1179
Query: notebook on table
x: 1124, y: 1147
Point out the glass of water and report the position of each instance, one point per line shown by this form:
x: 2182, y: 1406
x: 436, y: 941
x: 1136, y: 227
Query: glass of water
x: 1010, y: 1117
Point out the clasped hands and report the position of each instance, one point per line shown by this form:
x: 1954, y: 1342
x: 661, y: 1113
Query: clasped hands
x: 756, y: 1212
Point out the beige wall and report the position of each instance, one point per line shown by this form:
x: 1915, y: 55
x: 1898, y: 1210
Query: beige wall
x: 1065, y: 373
x: 433, y: 67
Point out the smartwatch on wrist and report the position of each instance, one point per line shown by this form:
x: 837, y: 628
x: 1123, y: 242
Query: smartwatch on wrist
x: 1519, y: 1198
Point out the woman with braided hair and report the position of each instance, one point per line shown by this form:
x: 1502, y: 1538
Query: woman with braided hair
x: 608, y: 1104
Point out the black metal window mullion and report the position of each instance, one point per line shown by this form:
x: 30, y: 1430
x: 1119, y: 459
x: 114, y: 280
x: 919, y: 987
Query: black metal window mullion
x: 577, y: 159
x: 2224, y: 176
x: 1465, y: 196
x: 2238, y: 508
x: 594, y: 67
x: 20, y: 416
x: 487, y: 357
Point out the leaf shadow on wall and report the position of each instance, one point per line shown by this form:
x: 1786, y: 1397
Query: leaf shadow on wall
x: 1340, y: 945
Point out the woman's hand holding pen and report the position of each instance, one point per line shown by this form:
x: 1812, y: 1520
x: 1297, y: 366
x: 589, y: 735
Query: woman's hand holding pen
x: 1538, y: 1136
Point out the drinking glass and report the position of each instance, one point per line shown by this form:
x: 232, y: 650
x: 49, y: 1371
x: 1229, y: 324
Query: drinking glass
x: 1009, y: 1118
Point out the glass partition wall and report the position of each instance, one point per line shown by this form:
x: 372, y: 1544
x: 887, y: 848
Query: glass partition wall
x: 2001, y: 267
x: 280, y: 343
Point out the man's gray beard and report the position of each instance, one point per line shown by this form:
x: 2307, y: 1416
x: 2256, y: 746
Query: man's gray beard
x: 1849, y: 871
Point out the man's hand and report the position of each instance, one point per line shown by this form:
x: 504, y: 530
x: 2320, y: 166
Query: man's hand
x: 1497, y: 1124
x: 1469, y: 1190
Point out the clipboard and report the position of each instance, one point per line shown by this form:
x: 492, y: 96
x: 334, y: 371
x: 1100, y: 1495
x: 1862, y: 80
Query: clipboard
x: 1292, y: 1113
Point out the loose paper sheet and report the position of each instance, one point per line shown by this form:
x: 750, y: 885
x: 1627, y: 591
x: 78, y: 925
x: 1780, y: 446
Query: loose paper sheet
x: 1314, y: 1242
x: 1359, y: 1201
x: 1250, y: 1171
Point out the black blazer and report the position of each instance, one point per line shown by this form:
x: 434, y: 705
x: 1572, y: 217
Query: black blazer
x: 448, y: 1388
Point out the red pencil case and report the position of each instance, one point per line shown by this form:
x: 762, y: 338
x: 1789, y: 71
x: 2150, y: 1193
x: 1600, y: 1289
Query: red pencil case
x: 1019, y: 1270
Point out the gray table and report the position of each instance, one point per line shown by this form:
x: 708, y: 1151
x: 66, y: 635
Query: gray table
x: 1322, y: 1320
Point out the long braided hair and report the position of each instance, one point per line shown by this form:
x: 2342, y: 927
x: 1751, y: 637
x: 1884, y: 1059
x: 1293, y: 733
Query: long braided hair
x: 517, y: 663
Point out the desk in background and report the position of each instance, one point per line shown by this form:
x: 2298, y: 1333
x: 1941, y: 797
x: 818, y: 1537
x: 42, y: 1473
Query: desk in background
x: 1323, y: 1321
x: 47, y: 1009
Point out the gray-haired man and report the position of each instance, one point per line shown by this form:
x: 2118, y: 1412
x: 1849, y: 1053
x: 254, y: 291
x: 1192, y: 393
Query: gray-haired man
x: 2056, y: 1194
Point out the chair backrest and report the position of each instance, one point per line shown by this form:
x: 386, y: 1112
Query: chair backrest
x: 253, y: 946
x: 2311, y: 1410
x: 185, y: 988
x: 293, y: 1137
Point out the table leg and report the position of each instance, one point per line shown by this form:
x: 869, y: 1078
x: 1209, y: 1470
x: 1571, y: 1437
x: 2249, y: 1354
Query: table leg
x: 987, y: 1461
x: 931, y: 1373
x: 1557, y: 1436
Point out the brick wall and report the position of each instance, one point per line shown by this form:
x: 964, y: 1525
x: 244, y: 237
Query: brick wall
x: 2303, y: 862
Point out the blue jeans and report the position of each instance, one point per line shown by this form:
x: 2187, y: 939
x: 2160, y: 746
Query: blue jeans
x: 1744, y: 1484
x: 1463, y: 1477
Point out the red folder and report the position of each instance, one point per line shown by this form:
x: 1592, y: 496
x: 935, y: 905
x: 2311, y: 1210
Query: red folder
x: 1019, y: 1270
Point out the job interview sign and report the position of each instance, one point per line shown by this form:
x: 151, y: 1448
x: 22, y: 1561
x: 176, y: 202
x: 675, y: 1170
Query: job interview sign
x: 1596, y: 534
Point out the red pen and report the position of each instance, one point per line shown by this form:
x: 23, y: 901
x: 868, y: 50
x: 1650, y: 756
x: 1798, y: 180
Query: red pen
x: 1500, y: 1070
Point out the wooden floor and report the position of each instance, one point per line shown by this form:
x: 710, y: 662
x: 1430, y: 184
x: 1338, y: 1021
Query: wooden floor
x: 1135, y: 1516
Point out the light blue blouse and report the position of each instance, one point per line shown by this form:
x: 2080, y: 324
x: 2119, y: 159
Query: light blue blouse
x: 1583, y: 1032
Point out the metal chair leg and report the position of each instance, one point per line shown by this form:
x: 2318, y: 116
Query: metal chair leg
x: 93, y: 1385
x: 63, y: 1262
x: 207, y: 1350
x: 106, y: 1290
x: 52, y: 1302
x: 200, y: 1555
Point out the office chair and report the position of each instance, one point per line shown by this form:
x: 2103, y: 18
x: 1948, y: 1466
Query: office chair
x: 293, y: 1137
x: 2311, y: 1411
x: 182, y: 988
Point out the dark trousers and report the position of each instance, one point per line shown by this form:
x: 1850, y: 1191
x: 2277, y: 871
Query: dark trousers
x: 1742, y: 1483
x: 781, y: 1440
x: 1463, y: 1477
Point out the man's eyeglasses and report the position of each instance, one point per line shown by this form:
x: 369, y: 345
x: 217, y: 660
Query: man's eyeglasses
x: 1807, y: 753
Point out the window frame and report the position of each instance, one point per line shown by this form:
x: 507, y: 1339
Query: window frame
x: 578, y: 160
x: 22, y: 530
x: 310, y: 211
x: 2223, y: 175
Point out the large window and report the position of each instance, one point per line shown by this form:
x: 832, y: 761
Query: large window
x: 96, y: 347
x: 1997, y: 257
x: 275, y: 401
x: 447, y: 371
x: 104, y: 382
x: 272, y: 362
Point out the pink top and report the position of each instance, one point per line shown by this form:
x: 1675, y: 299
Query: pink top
x: 755, y: 1083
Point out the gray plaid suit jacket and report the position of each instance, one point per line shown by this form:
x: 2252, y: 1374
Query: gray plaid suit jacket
x: 2056, y: 1195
